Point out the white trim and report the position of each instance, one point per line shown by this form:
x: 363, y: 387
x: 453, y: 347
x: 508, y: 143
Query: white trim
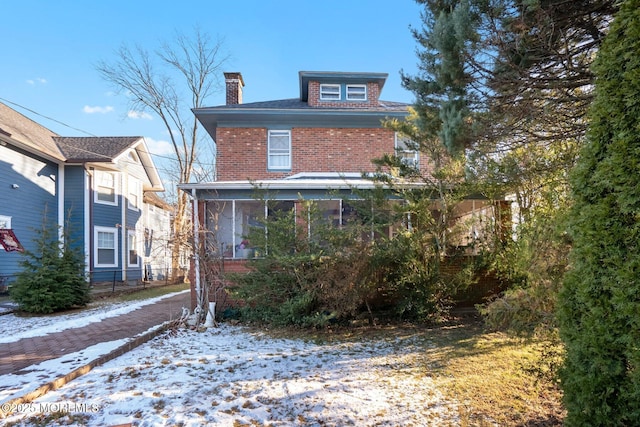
x: 96, y: 192
x: 328, y: 93
x: 233, y: 225
x: 298, y: 184
x: 88, y: 183
x: 60, y: 198
x: 110, y: 230
x: 280, y: 152
x: 358, y: 95
x: 123, y: 228
x: 196, y: 244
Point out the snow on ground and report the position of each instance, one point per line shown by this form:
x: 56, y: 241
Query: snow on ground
x: 234, y: 376
x: 34, y: 376
x: 36, y: 326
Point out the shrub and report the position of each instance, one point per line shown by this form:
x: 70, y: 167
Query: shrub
x: 599, y: 302
x: 332, y: 274
x: 52, y: 276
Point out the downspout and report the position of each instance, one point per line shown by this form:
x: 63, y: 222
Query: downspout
x: 60, y: 185
x: 124, y: 190
x: 88, y: 222
x: 196, y: 246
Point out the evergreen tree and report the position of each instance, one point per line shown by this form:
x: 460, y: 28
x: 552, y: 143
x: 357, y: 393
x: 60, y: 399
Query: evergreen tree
x: 52, y: 276
x: 599, y: 304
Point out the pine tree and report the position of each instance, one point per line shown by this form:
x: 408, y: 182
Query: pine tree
x: 52, y: 276
x: 599, y: 304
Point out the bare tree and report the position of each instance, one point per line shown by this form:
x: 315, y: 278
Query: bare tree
x: 168, y: 83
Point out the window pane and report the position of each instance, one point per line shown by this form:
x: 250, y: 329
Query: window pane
x: 106, y: 194
x: 279, y: 156
x: 105, y: 186
x: 279, y: 161
x: 280, y: 143
x: 106, y: 240
x: 133, y: 249
x: 329, y: 92
x: 356, y: 92
x: 105, y: 179
x: 106, y: 256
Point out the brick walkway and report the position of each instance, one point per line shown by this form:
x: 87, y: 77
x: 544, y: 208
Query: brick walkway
x: 21, y: 354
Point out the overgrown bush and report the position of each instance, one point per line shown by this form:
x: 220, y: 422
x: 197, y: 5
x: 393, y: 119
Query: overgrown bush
x: 534, y: 266
x: 335, y: 273
x: 52, y: 276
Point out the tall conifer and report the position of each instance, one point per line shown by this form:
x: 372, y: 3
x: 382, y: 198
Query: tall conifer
x: 599, y: 303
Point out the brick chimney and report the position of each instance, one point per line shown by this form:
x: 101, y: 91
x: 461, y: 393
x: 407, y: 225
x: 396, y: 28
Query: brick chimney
x: 234, y: 85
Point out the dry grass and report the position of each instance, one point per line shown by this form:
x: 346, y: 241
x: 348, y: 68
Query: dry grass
x: 488, y: 374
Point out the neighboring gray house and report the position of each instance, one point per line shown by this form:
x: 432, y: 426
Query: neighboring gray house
x: 96, y: 185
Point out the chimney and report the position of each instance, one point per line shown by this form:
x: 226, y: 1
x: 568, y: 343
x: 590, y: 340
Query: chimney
x: 234, y: 85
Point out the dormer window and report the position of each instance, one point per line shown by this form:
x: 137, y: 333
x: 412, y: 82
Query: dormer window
x: 356, y: 92
x: 329, y: 92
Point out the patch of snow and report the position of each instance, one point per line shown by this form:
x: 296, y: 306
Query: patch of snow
x: 229, y: 376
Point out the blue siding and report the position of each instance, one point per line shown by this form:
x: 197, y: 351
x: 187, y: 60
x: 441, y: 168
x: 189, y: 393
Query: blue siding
x: 74, y: 205
x: 35, y: 195
x: 107, y: 216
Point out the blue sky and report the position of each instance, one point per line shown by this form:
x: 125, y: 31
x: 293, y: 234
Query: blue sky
x: 50, y: 50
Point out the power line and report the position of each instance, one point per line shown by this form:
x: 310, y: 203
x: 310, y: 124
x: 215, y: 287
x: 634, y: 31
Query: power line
x: 46, y: 117
x: 93, y: 135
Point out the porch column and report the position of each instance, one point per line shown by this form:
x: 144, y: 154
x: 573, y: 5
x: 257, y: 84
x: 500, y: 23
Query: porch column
x: 196, y: 244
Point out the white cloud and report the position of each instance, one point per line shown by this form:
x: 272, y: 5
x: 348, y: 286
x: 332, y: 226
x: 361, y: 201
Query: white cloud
x: 159, y: 147
x: 139, y: 115
x: 92, y: 110
x: 37, y: 80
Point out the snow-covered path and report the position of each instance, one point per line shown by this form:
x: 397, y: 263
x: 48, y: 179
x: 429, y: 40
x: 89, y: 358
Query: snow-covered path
x: 233, y: 376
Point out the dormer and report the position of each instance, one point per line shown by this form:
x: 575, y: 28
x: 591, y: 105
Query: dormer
x: 341, y: 89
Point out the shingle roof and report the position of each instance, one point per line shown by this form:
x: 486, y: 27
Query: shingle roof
x: 94, y: 149
x: 29, y: 133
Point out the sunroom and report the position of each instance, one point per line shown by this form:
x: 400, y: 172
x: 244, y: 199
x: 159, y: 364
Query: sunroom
x: 228, y: 210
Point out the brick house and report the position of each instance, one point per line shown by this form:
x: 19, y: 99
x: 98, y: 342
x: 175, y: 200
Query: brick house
x: 313, y: 147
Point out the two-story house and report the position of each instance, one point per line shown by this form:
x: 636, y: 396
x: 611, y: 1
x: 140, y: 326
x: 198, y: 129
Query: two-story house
x: 316, y: 146
x: 95, y: 186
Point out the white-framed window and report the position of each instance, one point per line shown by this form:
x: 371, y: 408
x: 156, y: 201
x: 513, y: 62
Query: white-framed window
x: 106, y: 246
x: 356, y: 92
x: 330, y: 92
x: 132, y: 247
x: 279, y: 150
x: 407, y: 151
x: 133, y: 193
x: 106, y: 188
x: 5, y: 221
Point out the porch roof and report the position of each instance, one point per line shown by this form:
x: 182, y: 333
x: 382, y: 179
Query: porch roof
x: 310, y: 185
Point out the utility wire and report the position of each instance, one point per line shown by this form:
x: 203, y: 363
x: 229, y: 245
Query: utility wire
x: 173, y: 159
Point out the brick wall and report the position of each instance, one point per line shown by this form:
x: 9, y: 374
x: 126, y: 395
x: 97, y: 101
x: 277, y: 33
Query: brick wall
x: 373, y: 95
x: 242, y: 152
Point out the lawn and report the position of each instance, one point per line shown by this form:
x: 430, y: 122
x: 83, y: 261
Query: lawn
x: 496, y: 379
